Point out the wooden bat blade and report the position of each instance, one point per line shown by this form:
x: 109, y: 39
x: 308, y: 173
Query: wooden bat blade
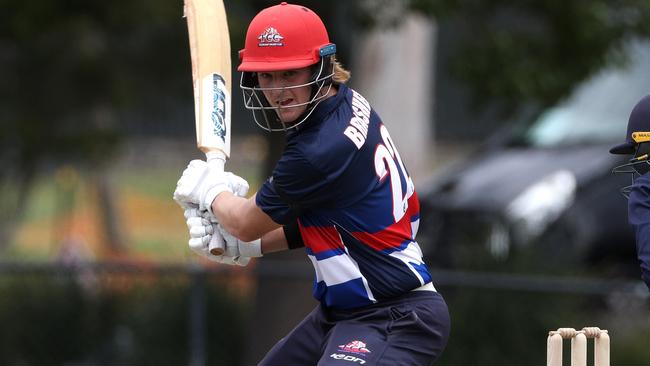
x: 211, y: 76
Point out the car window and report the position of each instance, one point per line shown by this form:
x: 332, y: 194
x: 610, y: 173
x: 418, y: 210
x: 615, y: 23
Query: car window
x: 597, y: 111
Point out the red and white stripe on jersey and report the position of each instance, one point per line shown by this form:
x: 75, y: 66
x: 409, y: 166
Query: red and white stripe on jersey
x: 396, y: 235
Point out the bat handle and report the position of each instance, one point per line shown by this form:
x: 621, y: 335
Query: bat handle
x: 217, y: 244
x: 217, y: 161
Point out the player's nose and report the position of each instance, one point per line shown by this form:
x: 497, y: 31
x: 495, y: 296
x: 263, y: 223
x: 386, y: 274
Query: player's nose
x: 277, y: 90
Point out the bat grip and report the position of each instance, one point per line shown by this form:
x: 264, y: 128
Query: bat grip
x: 216, y: 161
x: 217, y: 244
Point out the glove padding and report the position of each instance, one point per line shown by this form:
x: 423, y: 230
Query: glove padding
x: 203, y: 227
x: 200, y: 184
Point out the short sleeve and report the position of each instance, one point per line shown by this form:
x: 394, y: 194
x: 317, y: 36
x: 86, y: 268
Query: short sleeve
x: 295, y: 186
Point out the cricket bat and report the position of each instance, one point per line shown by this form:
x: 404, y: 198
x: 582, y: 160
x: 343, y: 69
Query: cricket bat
x: 210, y: 51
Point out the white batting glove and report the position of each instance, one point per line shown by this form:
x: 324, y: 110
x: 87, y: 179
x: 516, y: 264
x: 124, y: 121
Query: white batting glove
x: 237, y: 248
x: 200, y: 185
x: 201, y: 231
x: 203, y: 227
x: 234, y: 248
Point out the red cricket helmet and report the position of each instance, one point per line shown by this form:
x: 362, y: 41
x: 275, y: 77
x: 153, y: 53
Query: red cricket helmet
x: 284, y: 37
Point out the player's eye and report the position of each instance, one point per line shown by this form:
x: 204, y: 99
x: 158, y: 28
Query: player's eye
x: 263, y: 75
x: 289, y: 74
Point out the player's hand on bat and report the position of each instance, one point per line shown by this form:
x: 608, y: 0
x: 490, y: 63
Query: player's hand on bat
x: 239, y: 251
x: 200, y: 184
x: 236, y: 248
x: 203, y: 227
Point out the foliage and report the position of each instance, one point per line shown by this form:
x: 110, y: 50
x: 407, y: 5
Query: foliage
x: 535, y: 51
x: 518, y: 52
x: 69, y: 69
x: 72, y: 66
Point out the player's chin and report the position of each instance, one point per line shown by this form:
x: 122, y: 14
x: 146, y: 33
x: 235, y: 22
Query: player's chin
x: 289, y: 115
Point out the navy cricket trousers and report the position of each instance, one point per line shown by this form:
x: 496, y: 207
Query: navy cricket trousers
x: 410, y: 330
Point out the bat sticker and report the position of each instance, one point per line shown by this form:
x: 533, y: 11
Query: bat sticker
x: 218, y: 114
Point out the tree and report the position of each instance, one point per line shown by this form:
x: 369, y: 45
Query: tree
x: 535, y: 51
x: 69, y: 70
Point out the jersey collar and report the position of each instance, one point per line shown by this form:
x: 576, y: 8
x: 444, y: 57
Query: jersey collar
x: 324, y: 108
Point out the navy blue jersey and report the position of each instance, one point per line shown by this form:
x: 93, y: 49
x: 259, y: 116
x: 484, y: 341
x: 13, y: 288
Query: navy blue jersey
x: 342, y: 177
x: 639, y: 217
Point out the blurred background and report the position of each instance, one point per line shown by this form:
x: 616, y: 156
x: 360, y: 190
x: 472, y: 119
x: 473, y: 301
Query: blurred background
x: 503, y: 111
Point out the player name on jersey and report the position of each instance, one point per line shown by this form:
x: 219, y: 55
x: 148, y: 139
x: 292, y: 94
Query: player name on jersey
x: 357, y: 131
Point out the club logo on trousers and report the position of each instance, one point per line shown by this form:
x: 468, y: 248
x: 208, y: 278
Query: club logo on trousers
x: 270, y: 37
x: 355, y: 346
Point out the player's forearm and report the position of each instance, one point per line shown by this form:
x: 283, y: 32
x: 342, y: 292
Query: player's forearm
x: 274, y: 241
x: 241, y: 217
x: 284, y: 238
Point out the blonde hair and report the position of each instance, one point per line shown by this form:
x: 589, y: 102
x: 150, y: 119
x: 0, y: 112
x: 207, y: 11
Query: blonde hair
x: 341, y: 75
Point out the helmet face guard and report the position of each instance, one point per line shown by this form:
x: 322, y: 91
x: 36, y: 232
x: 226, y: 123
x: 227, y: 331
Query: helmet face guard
x: 637, y: 165
x: 267, y: 116
x: 635, y: 168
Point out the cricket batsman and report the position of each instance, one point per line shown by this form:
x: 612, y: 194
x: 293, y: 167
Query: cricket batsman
x: 340, y: 190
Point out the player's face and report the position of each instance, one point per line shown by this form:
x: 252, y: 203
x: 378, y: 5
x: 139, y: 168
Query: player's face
x: 290, y: 99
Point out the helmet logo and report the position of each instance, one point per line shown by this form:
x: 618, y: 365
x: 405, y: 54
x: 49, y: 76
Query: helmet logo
x: 270, y: 37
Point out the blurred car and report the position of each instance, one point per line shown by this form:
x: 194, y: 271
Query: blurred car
x: 546, y: 184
